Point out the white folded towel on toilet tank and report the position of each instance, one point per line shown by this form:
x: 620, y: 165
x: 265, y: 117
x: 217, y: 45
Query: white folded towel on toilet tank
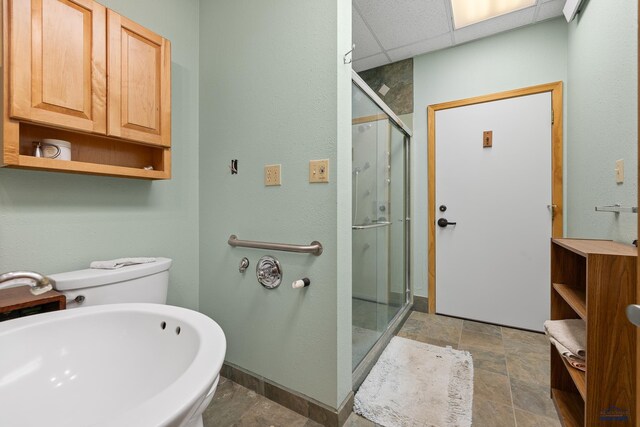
x: 120, y: 262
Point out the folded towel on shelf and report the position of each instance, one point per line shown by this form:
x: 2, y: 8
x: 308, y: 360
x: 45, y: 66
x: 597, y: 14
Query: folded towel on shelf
x: 571, y: 333
x: 573, y: 360
x: 119, y: 263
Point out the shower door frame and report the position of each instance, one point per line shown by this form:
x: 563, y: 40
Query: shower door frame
x: 363, y: 368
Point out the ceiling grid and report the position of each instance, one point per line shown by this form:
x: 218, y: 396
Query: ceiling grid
x: 386, y: 31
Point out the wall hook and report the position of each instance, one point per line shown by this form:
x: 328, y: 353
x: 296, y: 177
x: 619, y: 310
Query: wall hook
x: 349, y: 60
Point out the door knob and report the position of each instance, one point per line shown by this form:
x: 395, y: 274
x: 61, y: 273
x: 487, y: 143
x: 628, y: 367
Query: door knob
x: 633, y: 314
x: 442, y: 222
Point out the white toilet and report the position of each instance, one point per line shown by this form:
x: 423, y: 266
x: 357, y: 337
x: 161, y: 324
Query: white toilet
x: 145, y: 283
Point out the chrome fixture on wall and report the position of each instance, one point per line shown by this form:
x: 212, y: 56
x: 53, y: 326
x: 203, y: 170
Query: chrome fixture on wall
x: 244, y: 264
x: 269, y: 272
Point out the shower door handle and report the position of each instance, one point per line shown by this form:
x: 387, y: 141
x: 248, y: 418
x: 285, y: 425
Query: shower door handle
x: 368, y: 226
x: 442, y: 222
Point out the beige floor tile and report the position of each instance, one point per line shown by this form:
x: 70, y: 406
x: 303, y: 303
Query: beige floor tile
x: 412, y: 327
x: 527, y: 419
x: 356, y: 420
x: 483, y: 328
x: 268, y: 413
x: 489, y: 361
x: 488, y: 385
x: 471, y: 341
x: 524, y: 341
x: 529, y: 367
x: 432, y: 329
x: 428, y: 340
x: 229, y: 403
x: 532, y: 398
x: 487, y: 413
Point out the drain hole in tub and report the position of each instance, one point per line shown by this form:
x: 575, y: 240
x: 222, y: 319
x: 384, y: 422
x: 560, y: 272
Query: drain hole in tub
x: 163, y: 325
x: 178, y: 330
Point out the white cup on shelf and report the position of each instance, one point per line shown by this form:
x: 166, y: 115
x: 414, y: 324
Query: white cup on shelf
x: 56, y: 149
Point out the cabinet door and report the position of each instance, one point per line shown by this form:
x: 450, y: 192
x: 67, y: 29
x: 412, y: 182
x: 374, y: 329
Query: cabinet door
x: 57, y: 63
x: 139, y: 83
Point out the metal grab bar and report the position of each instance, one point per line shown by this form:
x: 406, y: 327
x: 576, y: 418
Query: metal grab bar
x: 368, y: 226
x: 314, y: 248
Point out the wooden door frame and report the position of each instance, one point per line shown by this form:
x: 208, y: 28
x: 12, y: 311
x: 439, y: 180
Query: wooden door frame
x: 556, y: 164
x: 637, y: 379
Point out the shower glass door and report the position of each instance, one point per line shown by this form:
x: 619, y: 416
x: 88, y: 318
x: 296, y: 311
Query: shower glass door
x: 378, y: 223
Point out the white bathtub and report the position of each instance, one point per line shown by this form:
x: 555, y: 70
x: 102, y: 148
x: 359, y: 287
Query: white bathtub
x: 109, y: 365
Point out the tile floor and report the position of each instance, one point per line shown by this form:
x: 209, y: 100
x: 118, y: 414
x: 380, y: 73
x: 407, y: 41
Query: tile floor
x: 511, y: 374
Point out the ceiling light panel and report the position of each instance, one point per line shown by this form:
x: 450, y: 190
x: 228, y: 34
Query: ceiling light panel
x: 467, y: 12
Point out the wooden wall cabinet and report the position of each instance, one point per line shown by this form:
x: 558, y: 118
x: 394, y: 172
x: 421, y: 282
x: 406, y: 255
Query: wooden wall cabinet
x: 79, y: 72
x: 139, y: 83
x: 57, y: 59
x: 595, y: 280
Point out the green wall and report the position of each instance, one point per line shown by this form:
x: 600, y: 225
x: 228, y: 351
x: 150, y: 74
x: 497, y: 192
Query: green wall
x: 603, y: 112
x: 54, y: 222
x: 525, y: 57
x: 274, y: 90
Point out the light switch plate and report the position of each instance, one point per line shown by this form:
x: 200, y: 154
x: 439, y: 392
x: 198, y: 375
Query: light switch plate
x: 620, y: 171
x: 487, y: 139
x: 272, y: 175
x: 319, y: 171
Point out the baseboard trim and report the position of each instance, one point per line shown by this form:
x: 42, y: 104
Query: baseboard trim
x: 297, y: 402
x: 420, y: 304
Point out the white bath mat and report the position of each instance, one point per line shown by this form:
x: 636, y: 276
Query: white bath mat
x: 417, y: 384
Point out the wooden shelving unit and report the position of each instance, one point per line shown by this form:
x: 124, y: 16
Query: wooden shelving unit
x: 19, y: 302
x: 595, y: 280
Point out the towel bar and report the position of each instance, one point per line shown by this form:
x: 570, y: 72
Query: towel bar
x: 314, y: 248
x: 617, y: 208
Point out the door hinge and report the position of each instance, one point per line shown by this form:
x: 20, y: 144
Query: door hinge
x: 553, y: 118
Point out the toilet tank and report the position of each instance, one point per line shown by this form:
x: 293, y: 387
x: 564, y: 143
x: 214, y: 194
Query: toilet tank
x: 135, y: 283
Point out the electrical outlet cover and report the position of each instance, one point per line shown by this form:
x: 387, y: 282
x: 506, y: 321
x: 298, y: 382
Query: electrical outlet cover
x: 272, y: 175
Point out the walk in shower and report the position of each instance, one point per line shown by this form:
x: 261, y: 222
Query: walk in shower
x: 380, y: 223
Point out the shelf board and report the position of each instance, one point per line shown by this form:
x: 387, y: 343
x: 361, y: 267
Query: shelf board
x: 586, y: 247
x: 84, y: 167
x: 576, y: 298
x: 570, y: 408
x: 579, y: 377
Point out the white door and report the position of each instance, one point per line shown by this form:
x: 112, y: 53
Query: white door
x: 493, y: 265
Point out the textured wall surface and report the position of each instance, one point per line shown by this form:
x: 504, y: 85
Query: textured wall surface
x: 274, y: 90
x: 529, y: 56
x: 603, y: 114
x: 398, y: 77
x: 55, y: 222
